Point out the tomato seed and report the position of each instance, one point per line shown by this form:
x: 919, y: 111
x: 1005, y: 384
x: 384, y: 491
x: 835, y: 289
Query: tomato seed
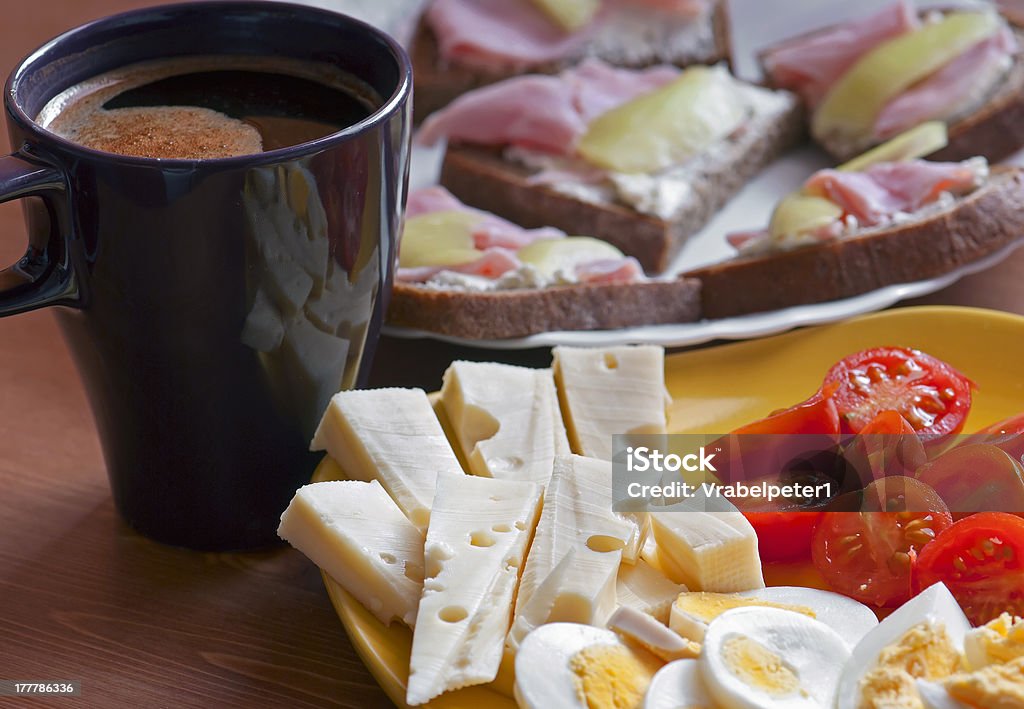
x: 959, y: 564
x: 989, y: 547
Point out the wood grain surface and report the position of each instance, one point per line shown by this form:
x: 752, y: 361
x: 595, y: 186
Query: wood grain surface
x: 142, y: 625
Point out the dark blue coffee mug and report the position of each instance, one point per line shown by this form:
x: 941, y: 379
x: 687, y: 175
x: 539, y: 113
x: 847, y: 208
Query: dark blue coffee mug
x: 212, y: 306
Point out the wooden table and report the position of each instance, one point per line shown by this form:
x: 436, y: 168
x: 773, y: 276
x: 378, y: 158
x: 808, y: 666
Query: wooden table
x: 139, y: 624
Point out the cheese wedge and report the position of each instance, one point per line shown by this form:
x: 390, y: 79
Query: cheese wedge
x: 643, y: 588
x: 504, y: 418
x: 356, y: 533
x: 608, y: 391
x: 708, y: 545
x: 478, y: 535
x: 577, y: 516
x: 393, y: 436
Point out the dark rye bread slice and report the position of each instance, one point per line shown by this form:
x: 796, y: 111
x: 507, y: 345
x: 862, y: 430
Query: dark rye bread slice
x: 439, y: 83
x: 481, y: 177
x: 976, y: 226
x: 498, y: 315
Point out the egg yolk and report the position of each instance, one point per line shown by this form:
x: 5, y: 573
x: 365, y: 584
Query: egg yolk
x: 1000, y: 640
x: 994, y: 687
x: 757, y: 666
x: 924, y: 652
x: 707, y: 606
x: 611, y: 677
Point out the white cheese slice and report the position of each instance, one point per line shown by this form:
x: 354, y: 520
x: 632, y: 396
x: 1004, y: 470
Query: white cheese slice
x: 643, y: 588
x: 653, y: 635
x: 393, y: 436
x: 478, y: 535
x: 577, y: 516
x: 608, y: 391
x: 707, y: 544
x: 504, y: 419
x: 356, y: 533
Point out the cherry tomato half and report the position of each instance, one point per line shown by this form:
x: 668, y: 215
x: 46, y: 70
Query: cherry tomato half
x: 1007, y: 434
x: 981, y: 561
x: 870, y: 555
x: 978, y: 477
x: 783, y: 536
x: 888, y: 445
x: 927, y: 392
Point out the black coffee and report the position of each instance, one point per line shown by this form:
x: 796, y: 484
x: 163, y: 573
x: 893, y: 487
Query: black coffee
x: 208, y: 107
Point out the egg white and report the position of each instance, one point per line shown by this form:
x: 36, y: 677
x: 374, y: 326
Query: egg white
x: 935, y: 604
x: 678, y: 684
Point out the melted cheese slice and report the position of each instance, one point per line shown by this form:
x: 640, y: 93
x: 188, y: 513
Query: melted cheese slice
x: 609, y: 391
x: 478, y: 534
x: 393, y: 436
x: 707, y: 544
x: 505, y: 418
x: 356, y: 533
x: 577, y: 517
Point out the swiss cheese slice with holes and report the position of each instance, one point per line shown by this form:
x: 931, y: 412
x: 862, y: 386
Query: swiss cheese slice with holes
x: 577, y: 517
x: 609, y: 391
x: 478, y: 535
x: 393, y: 436
x: 506, y: 419
x: 356, y: 533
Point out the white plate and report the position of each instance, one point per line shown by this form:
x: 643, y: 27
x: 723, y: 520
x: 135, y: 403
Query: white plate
x: 755, y: 24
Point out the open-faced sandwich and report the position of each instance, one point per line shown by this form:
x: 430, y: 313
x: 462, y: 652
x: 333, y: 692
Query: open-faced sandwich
x: 463, y: 44
x: 467, y: 273
x: 883, y: 218
x: 870, y: 79
x: 639, y: 158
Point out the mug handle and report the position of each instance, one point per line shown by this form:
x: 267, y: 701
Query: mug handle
x: 43, y: 276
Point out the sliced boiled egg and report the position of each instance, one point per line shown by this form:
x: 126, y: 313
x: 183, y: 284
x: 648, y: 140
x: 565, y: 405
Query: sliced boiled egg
x: 758, y: 657
x: 922, y: 639
x: 934, y: 696
x: 1001, y: 640
x: 678, y: 685
x: 692, y: 612
x: 570, y: 666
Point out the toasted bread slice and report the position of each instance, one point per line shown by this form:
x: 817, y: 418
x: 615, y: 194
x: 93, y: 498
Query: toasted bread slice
x: 439, y: 83
x: 937, y: 242
x: 517, y: 313
x: 482, y: 177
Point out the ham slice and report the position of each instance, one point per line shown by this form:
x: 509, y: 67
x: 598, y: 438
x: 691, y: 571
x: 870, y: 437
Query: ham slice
x: 431, y: 199
x: 491, y: 264
x: 811, y: 64
x: 546, y: 113
x: 873, y: 196
x: 957, y: 86
x: 497, y: 34
x: 613, y: 270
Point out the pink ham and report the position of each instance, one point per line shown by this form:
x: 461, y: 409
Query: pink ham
x: 431, y: 199
x: 959, y: 84
x: 811, y: 64
x: 683, y: 8
x: 491, y: 264
x: 531, y: 111
x: 605, y: 271
x: 546, y: 113
x: 887, y: 188
x: 497, y: 33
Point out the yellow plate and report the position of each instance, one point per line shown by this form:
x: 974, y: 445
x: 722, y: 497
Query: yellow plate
x: 720, y: 388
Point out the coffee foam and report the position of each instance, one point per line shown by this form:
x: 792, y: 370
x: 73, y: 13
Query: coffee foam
x: 185, y: 132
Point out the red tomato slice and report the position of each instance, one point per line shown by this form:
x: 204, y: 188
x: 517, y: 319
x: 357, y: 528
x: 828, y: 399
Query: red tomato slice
x: 981, y: 561
x: 888, y: 445
x: 780, y: 442
x: 783, y: 536
x: 977, y: 477
x: 870, y: 555
x: 927, y: 392
x: 1007, y: 434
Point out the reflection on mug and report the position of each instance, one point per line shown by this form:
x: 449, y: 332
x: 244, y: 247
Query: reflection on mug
x: 308, y: 316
